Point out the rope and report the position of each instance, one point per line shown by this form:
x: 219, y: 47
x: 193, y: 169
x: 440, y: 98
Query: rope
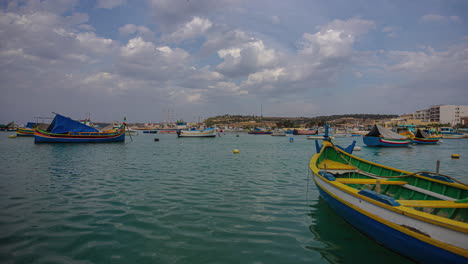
x: 396, y: 176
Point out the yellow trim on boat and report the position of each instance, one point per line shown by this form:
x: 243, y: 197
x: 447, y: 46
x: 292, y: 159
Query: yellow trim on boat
x: 432, y: 203
x: 421, y: 237
x: 410, y: 212
x: 369, y: 181
x: 335, y: 165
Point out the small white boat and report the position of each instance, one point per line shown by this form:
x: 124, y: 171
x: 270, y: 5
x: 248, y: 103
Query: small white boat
x: 207, y: 132
x: 448, y: 132
x: 278, y: 133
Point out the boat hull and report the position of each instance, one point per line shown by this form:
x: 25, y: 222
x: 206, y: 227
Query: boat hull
x: 425, y: 141
x: 90, y: 137
x: 383, y: 142
x: 260, y: 132
x: 25, y: 132
x: 197, y: 133
x: 452, y: 135
x: 371, y: 225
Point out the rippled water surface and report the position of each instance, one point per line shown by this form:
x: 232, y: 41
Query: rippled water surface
x: 185, y: 200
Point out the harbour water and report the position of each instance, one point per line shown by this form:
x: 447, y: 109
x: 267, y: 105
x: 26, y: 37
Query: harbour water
x: 186, y: 200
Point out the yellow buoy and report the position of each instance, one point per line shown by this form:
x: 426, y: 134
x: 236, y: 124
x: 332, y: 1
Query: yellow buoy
x: 12, y: 136
x: 455, y: 156
x: 235, y: 151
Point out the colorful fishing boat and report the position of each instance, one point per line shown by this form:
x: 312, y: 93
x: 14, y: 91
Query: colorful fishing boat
x: 8, y: 127
x: 66, y: 130
x: 383, y: 137
x: 449, y: 133
x: 421, y: 137
x: 26, y: 131
x: 207, y: 132
x: 422, y: 216
x: 260, y: 131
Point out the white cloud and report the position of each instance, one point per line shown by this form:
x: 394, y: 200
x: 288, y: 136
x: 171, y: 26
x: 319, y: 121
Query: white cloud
x: 335, y: 39
x: 91, y: 42
x: 142, y: 59
x: 170, y: 14
x: 246, y: 58
x: 141, y: 31
x: 228, y: 88
x: 270, y: 75
x: 109, y: 4
x: 192, y: 29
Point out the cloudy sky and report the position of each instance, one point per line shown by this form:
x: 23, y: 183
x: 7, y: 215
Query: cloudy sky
x: 198, y: 58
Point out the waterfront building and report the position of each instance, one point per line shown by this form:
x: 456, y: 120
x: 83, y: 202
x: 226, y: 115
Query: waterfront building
x: 443, y: 114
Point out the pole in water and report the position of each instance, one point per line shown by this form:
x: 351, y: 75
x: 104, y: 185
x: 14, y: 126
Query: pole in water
x: 437, y: 167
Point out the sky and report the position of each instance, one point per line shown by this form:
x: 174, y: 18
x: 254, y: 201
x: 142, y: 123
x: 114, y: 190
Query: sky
x: 163, y: 60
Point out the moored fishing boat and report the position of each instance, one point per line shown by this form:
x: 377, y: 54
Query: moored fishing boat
x: 260, y: 131
x: 8, y: 127
x: 383, y: 137
x: 207, y: 132
x: 26, y: 131
x: 422, y: 216
x: 421, y: 137
x: 66, y: 130
x: 449, y: 133
x: 278, y: 133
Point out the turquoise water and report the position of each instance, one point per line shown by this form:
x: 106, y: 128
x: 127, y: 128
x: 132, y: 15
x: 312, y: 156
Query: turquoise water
x: 188, y: 200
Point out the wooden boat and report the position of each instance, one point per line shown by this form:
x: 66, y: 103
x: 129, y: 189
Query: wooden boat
x: 26, y: 131
x: 383, y: 137
x: 8, y: 127
x: 421, y: 137
x: 449, y: 133
x: 66, y: 130
x: 207, y: 132
x: 421, y: 215
x: 278, y: 133
x: 259, y: 131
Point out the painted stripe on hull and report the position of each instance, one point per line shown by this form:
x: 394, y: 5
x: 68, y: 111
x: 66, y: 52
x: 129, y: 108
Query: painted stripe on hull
x: 425, y: 141
x: 41, y: 139
x: 391, y: 238
x: 381, y: 142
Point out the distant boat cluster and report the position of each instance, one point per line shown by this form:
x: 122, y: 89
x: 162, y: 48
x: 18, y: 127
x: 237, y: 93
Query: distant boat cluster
x: 64, y: 129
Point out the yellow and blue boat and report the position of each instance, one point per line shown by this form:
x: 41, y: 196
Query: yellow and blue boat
x: 422, y: 216
x: 27, y: 131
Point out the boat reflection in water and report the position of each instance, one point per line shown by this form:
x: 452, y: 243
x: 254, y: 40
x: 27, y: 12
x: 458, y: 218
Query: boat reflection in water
x: 341, y: 243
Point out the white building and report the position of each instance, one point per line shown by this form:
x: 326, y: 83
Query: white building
x: 444, y: 114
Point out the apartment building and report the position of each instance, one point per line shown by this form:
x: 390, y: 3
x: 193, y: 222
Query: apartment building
x: 444, y: 114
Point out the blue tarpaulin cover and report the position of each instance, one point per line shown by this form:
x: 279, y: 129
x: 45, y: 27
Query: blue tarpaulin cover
x: 62, y: 124
x: 30, y: 124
